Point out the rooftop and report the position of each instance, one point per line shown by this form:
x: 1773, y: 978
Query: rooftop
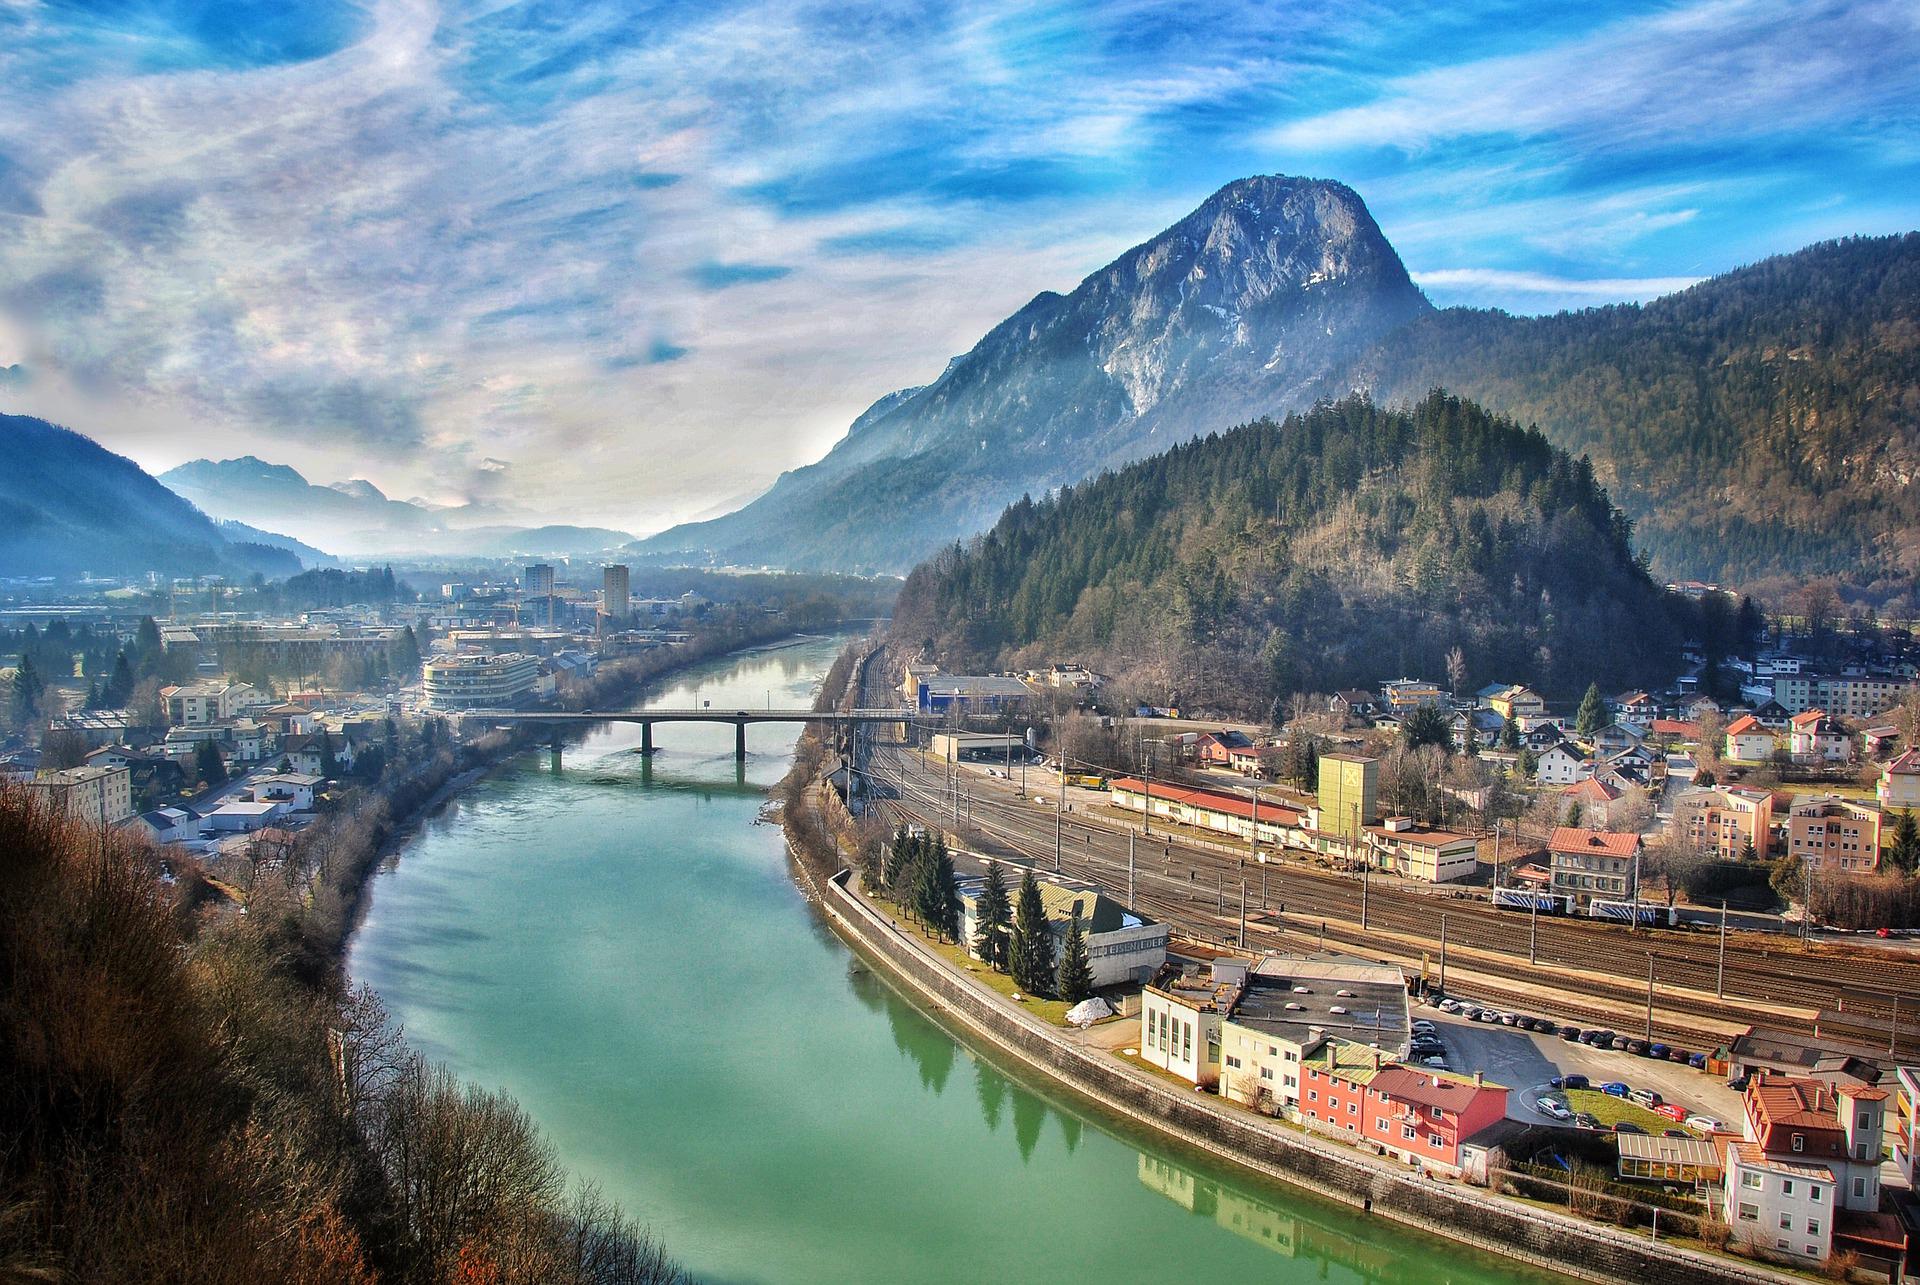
x: 1293, y: 997
x: 1572, y: 840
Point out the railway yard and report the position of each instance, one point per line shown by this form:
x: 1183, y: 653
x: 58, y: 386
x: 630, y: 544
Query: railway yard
x: 1705, y: 986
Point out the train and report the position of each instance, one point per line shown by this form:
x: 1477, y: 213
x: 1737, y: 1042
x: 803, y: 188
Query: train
x: 1546, y: 903
x: 1623, y: 912
x: 1553, y: 903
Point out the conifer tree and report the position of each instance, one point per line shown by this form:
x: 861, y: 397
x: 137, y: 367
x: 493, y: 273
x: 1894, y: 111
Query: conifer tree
x: 928, y: 902
x: 1905, y: 854
x: 27, y: 689
x: 119, y: 688
x: 1032, y: 940
x: 946, y: 892
x: 1592, y: 715
x: 993, y: 920
x: 212, y: 770
x: 1076, y: 970
x: 1510, y: 734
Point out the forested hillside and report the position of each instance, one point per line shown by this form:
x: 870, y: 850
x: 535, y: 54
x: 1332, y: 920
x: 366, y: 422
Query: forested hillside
x: 1763, y: 423
x: 1344, y: 546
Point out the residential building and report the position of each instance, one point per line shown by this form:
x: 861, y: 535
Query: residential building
x: 1353, y: 704
x: 1596, y: 800
x: 1122, y: 946
x: 307, y: 755
x: 1215, y: 749
x: 97, y: 795
x: 1805, y: 1179
x: 479, y: 682
x: 1589, y: 864
x: 1747, y: 740
x: 1834, y: 834
x: 295, y: 789
x: 167, y: 825
x: 244, y: 816
x: 1615, y: 738
x: 1813, y: 737
x: 1847, y: 695
x: 1562, y: 765
x: 1254, y: 760
x: 1423, y: 1117
x: 1514, y: 701
x: 1349, y: 790
x: 1422, y: 852
x: 1725, y: 820
x: 1899, y: 787
x: 1403, y: 695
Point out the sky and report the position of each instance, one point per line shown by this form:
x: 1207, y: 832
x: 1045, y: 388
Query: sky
x: 621, y: 263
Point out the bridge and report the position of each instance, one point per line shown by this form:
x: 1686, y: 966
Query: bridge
x: 646, y: 718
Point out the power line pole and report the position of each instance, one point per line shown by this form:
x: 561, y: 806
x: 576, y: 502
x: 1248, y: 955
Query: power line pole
x: 1243, y: 914
x: 1059, y: 814
x: 1533, y: 931
x: 1443, y: 953
x: 1649, y: 997
x: 1720, y: 973
x: 1130, y: 838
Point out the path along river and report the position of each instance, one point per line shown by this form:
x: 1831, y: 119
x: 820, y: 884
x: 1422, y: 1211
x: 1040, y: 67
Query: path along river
x: 616, y: 943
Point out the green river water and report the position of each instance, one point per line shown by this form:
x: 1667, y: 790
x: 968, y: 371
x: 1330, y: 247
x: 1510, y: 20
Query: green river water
x: 619, y: 945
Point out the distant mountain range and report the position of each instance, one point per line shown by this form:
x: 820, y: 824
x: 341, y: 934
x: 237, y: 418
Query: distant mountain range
x: 354, y: 518
x: 1759, y: 424
x: 69, y: 506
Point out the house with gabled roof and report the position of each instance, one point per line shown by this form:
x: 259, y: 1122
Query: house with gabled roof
x: 1748, y: 740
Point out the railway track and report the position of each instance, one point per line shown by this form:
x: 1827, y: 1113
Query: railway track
x: 1604, y: 964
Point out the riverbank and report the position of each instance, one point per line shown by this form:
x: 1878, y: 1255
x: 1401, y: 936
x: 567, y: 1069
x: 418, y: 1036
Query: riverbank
x: 821, y: 856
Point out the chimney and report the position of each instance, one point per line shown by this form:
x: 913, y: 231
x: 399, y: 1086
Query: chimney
x: 1479, y: 1079
x: 1376, y: 1059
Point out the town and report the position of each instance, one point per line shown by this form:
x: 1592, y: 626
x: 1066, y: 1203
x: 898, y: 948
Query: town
x: 1262, y: 913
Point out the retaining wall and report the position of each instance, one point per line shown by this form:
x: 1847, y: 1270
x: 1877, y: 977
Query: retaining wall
x: 1557, y: 1243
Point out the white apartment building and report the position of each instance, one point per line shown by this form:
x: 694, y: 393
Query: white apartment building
x: 1779, y: 1205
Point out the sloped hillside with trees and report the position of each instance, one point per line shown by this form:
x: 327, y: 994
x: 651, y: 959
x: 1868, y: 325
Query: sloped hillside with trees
x: 1338, y: 548
x: 1765, y: 423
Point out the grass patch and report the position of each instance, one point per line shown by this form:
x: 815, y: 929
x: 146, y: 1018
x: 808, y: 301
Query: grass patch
x: 1609, y: 1111
x: 1050, y: 1010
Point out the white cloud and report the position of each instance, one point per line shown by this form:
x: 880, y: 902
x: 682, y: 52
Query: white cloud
x: 1506, y: 282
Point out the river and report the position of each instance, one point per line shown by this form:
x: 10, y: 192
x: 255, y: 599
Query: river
x: 616, y: 943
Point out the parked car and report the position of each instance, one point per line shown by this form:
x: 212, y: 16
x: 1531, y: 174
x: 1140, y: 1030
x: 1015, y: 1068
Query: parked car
x: 1681, y: 1056
x: 1658, y: 1050
x: 1675, y: 1133
x: 1644, y: 1097
x: 1739, y: 1083
x: 1673, y: 1111
x: 1586, y: 1119
x: 1698, y: 1061
x: 1574, y: 1081
x: 1619, y: 1043
x: 1704, y: 1123
x: 1570, y: 1033
x: 1637, y: 1047
x: 1614, y: 1089
x: 1554, y: 1107
x: 1509, y: 1019
x: 1487, y: 1015
x: 1627, y: 1126
x: 1433, y: 1061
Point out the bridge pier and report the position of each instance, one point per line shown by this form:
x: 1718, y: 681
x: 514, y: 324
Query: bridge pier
x: 740, y: 741
x: 646, y: 738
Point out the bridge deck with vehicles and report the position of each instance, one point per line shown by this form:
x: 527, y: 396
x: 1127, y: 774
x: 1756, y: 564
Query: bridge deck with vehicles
x: 646, y: 718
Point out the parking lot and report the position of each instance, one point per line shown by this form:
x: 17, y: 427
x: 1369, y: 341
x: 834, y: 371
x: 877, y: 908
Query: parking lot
x: 1526, y: 1061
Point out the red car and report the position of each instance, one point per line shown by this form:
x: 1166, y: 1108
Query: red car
x: 1672, y: 1110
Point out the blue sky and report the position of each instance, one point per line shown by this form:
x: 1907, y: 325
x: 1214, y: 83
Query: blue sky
x: 624, y: 262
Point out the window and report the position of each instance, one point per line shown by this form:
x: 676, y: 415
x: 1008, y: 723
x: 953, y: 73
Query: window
x: 1866, y: 1121
x: 1813, y: 1226
x: 1353, y: 1108
x: 1859, y: 1186
x: 1433, y: 1140
x: 1290, y: 1082
x: 1786, y: 1222
x: 1750, y: 1180
x: 1434, y: 1112
x: 1313, y: 1095
x: 1786, y: 1186
x: 1266, y: 1073
x: 1749, y: 1213
x: 1406, y: 1131
x: 1380, y: 1123
x: 1815, y: 1191
x: 1233, y: 1061
x: 1799, y: 1142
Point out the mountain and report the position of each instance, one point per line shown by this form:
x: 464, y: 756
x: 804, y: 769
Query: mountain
x: 1238, y: 310
x: 1344, y: 544
x: 357, y: 518
x: 69, y: 505
x: 1764, y: 423
x: 304, y: 554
